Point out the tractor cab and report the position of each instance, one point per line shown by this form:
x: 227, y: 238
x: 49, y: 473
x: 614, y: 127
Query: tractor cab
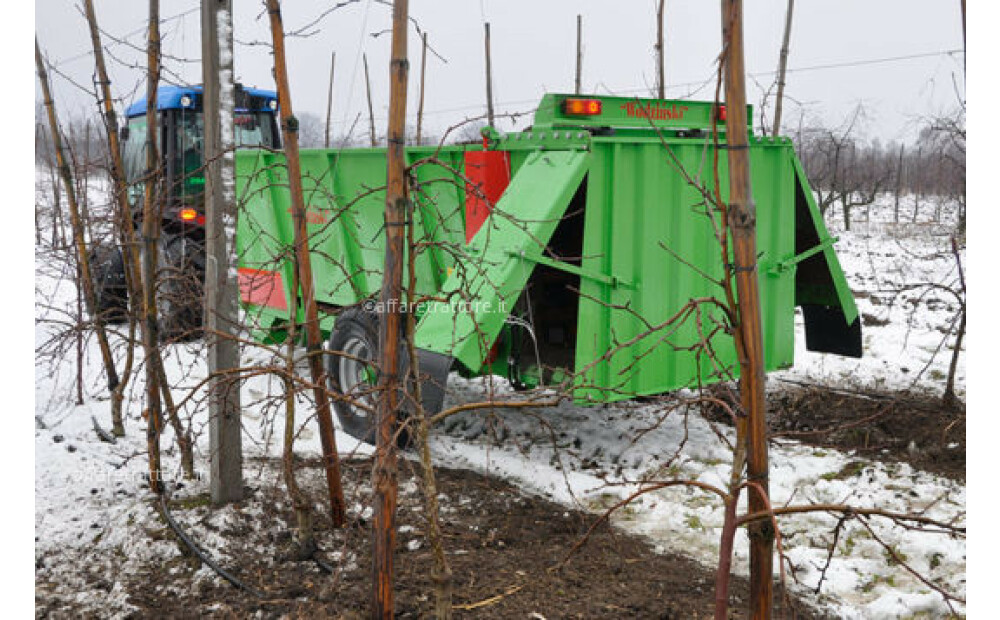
x: 181, y: 146
x: 180, y: 143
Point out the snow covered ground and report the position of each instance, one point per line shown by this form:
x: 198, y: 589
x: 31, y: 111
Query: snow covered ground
x: 93, y: 514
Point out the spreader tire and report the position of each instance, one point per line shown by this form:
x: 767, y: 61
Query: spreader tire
x: 353, y: 374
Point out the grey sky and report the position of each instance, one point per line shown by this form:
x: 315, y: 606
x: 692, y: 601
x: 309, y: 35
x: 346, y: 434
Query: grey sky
x: 534, y: 49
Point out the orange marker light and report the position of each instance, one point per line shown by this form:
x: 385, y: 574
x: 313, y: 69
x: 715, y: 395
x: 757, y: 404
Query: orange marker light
x: 582, y: 107
x: 188, y: 214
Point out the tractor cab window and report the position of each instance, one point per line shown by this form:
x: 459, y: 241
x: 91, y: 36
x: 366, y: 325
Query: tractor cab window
x: 254, y: 129
x: 189, y: 152
x: 182, y: 149
x: 134, y: 156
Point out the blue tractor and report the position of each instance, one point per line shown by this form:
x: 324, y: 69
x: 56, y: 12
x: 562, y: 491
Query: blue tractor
x: 181, y: 259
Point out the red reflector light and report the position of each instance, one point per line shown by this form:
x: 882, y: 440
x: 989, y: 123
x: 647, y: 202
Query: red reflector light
x: 582, y: 107
x: 720, y: 114
x: 188, y: 214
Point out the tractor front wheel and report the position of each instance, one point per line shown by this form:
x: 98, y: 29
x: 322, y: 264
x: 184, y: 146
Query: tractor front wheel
x: 180, y: 277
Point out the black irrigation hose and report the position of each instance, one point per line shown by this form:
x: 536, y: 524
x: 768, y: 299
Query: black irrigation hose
x: 201, y: 554
x: 326, y: 568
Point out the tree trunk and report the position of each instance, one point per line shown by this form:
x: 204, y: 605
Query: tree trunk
x: 151, y: 238
x: 123, y: 212
x: 742, y: 224
x: 917, y: 179
x: 314, y: 345
x: 385, y: 474
x: 441, y: 575
x: 899, y: 185
x: 301, y: 504
x: 950, y: 400
x: 77, y: 225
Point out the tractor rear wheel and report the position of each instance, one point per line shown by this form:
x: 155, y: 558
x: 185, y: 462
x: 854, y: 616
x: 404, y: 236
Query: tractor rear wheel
x: 111, y: 293
x: 180, y: 277
x: 180, y: 273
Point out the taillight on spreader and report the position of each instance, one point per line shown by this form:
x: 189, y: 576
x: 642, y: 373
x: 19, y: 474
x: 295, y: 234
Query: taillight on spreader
x: 581, y: 107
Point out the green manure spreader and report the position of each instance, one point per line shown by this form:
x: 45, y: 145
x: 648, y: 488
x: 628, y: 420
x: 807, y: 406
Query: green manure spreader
x: 560, y: 255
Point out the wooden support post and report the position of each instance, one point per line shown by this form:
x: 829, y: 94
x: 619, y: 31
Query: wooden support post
x: 221, y: 292
x: 371, y: 110
x: 420, y: 106
x: 390, y: 326
x: 965, y: 54
x: 489, y: 80
x: 749, y: 341
x: 579, y: 52
x: 329, y: 102
x: 782, y: 66
x: 661, y: 85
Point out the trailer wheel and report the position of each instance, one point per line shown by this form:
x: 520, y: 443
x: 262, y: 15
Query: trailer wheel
x: 108, y: 272
x: 353, y: 373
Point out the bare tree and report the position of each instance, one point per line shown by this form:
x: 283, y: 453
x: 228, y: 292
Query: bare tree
x: 289, y: 126
x: 311, y: 131
x: 843, y: 171
x: 79, y: 239
x: 151, y: 236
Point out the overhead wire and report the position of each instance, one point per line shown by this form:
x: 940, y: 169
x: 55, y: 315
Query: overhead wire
x: 122, y: 40
x: 701, y: 83
x: 357, y: 66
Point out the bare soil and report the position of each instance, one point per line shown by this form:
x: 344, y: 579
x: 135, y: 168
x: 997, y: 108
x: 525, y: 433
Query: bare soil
x: 505, y: 549
x: 902, y: 426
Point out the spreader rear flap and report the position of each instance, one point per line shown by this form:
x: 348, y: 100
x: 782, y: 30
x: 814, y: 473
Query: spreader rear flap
x: 831, y: 316
x: 488, y: 279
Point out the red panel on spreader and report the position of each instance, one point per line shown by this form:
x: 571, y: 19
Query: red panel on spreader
x: 488, y: 173
x: 263, y: 288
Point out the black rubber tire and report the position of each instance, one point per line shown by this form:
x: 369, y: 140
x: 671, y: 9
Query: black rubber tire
x: 108, y: 271
x: 180, y: 287
x: 355, y: 338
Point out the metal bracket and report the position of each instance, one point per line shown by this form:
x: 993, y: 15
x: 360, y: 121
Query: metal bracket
x: 781, y: 266
x: 611, y: 281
